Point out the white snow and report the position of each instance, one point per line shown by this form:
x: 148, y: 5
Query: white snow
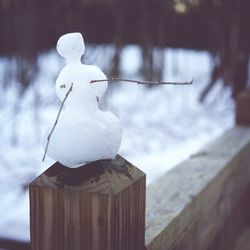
x: 71, y: 46
x: 161, y: 126
x: 83, y: 132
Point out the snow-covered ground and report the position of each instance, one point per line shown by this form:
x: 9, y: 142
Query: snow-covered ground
x: 162, y: 125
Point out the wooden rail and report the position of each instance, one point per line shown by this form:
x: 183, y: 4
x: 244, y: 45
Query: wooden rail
x: 202, y: 204
x: 190, y: 206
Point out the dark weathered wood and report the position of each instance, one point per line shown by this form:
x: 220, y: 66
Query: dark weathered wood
x: 100, y: 206
x: 243, y: 108
x: 235, y: 222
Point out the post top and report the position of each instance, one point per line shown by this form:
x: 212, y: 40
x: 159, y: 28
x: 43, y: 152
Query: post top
x: 102, y: 176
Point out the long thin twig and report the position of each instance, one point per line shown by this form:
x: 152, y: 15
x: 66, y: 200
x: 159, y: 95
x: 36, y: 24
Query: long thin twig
x: 111, y: 79
x: 57, y: 118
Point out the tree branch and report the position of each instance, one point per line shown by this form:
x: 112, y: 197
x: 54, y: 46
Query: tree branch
x: 111, y: 79
x: 57, y: 118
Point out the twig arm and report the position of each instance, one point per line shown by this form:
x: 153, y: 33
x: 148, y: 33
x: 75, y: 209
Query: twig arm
x: 57, y: 118
x: 111, y: 79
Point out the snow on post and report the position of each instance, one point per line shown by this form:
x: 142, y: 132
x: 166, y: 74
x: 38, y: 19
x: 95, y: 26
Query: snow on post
x: 91, y: 198
x: 83, y: 132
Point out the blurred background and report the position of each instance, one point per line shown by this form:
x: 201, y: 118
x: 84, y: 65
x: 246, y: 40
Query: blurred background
x: 172, y: 40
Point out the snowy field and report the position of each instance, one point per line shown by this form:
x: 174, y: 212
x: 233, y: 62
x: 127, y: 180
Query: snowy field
x: 162, y: 125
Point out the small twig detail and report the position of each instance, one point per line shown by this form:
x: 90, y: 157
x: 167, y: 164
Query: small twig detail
x: 111, y: 79
x: 57, y: 118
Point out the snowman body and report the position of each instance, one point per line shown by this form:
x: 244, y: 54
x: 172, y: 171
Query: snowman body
x: 83, y: 132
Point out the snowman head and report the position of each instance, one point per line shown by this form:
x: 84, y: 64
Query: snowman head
x: 71, y: 46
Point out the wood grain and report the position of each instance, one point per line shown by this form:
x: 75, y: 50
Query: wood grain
x: 100, y: 206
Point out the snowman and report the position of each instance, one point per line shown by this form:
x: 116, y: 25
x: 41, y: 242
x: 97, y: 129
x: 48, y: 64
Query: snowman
x: 83, y: 132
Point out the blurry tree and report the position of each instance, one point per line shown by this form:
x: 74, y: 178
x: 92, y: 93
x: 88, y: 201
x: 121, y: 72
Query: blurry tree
x: 229, y: 43
x: 28, y: 27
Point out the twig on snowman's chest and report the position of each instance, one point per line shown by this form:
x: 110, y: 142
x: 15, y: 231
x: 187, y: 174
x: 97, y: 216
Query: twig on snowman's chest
x: 57, y: 118
x: 111, y: 79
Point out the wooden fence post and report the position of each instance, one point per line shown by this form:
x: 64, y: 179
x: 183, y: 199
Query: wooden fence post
x: 100, y: 206
x: 243, y: 108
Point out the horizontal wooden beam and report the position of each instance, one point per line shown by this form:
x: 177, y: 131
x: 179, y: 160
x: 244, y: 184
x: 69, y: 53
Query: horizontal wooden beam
x: 201, y: 202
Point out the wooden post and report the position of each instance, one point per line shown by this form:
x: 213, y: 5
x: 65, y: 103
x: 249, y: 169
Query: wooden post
x: 100, y: 206
x: 243, y: 108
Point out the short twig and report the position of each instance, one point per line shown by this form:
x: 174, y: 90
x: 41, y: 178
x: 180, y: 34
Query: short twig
x: 111, y: 79
x: 57, y: 118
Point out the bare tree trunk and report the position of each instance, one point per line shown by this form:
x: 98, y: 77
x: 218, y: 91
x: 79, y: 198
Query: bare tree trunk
x: 233, y: 62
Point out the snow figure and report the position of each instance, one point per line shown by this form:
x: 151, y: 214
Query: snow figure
x: 83, y: 132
